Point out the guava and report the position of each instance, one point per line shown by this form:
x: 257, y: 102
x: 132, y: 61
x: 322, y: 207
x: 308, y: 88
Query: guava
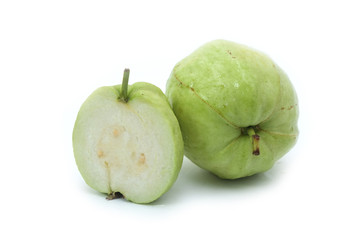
x: 237, y: 109
x: 127, y: 141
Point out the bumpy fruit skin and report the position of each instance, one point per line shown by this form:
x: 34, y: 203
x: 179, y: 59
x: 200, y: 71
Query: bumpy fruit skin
x: 219, y: 92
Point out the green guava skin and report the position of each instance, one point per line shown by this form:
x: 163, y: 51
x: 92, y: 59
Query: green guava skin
x: 219, y: 92
x: 138, y: 93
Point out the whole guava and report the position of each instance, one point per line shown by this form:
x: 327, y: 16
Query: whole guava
x: 236, y: 108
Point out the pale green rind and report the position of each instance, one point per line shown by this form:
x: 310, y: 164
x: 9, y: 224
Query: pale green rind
x: 222, y: 87
x: 138, y: 93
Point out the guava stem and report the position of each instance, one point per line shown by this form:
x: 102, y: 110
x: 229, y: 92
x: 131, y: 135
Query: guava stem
x: 255, y: 139
x: 124, y: 86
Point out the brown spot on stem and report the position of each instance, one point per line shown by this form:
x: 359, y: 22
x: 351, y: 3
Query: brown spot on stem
x: 256, y: 148
x: 256, y: 152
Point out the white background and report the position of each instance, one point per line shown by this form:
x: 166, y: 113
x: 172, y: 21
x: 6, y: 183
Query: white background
x: 53, y: 54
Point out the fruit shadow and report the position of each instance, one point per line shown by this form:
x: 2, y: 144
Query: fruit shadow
x: 194, y: 182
